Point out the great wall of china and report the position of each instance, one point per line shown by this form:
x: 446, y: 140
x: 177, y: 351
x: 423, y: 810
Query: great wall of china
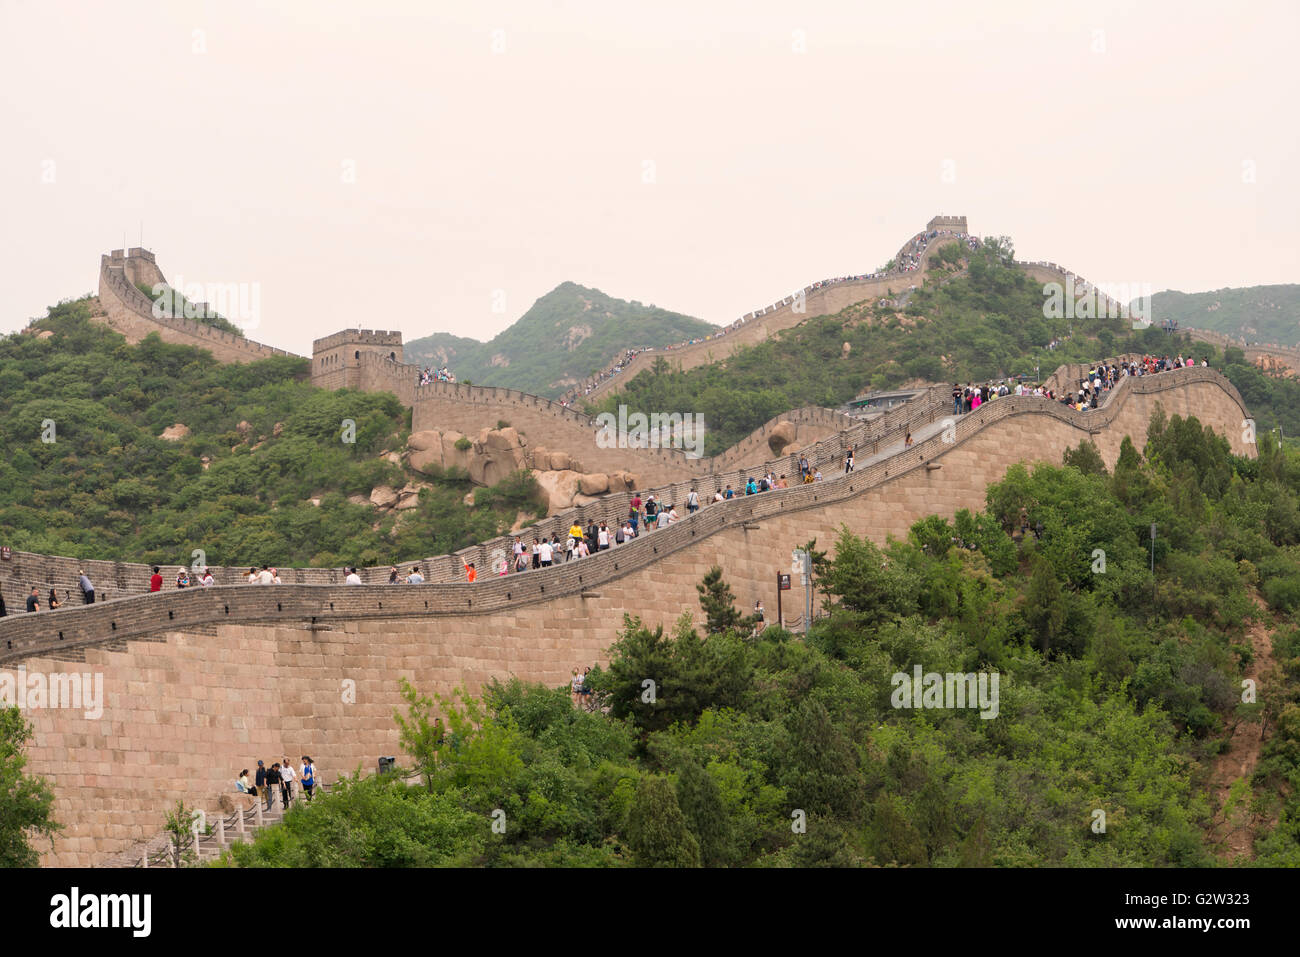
x: 203, y: 680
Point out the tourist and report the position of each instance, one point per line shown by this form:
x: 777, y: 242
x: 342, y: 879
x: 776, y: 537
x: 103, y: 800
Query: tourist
x: 182, y: 579
x: 760, y: 621
x: 602, y: 537
x: 207, y: 581
x: 260, y: 783
x: 730, y: 493
x: 155, y: 580
x: 252, y: 576
x: 307, y: 774
x: 848, y: 460
x: 717, y: 496
x: 264, y: 577
x: 536, y: 550
x: 286, y: 783
x: 242, y: 785
x: 907, y: 442
x: 272, y: 779
x: 34, y: 599
x: 672, y: 515
x: 54, y: 600
x: 392, y: 570
x: 353, y: 578
x: 634, y: 509
x: 471, y: 575
x: 692, y: 502
x: 575, y: 687
x: 544, y: 554
x: 584, y: 689
x: 782, y: 483
x: 87, y: 589
x: 415, y: 578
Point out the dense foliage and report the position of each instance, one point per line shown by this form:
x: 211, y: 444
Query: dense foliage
x: 1116, y: 692
x: 570, y: 333
x: 87, y: 475
x: 973, y: 324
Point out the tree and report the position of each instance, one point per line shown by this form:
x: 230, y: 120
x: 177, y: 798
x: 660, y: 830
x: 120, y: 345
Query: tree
x: 179, y: 825
x: 420, y: 738
x: 718, y: 603
x: 26, y: 803
x: 656, y: 828
x: 700, y: 799
x: 1086, y: 458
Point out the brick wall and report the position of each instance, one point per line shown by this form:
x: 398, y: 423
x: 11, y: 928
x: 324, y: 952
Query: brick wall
x: 269, y: 681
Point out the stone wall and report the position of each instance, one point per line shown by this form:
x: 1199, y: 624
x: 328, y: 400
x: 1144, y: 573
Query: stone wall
x: 268, y: 679
x: 127, y: 310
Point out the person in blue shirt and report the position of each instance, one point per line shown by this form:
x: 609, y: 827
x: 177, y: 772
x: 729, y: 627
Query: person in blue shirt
x: 750, y: 487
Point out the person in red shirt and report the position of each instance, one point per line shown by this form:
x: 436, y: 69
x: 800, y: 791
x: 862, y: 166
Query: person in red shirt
x: 155, y: 580
x: 470, y: 573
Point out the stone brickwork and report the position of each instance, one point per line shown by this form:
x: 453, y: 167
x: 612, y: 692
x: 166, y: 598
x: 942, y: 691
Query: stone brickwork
x: 127, y: 310
x: 268, y: 676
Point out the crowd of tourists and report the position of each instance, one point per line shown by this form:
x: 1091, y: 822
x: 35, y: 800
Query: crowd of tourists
x: 280, y: 778
x: 429, y: 374
x: 1090, y: 393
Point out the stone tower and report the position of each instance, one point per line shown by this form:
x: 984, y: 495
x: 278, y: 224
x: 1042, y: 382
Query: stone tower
x: 954, y: 224
x: 336, y: 359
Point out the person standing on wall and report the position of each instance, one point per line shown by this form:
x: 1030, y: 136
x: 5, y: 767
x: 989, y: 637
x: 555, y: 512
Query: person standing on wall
x: 155, y: 580
x: 272, y: 780
x: 87, y: 588
x: 287, y: 776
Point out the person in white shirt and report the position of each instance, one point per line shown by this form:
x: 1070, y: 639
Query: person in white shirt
x: 415, y: 578
x: 717, y: 496
x: 287, y: 777
x: 353, y: 578
x: 583, y: 549
x: 672, y: 514
x: 207, y: 580
x: 544, y: 554
x: 252, y: 576
x: 662, y: 520
x: 275, y: 576
x: 602, y: 536
x: 264, y: 577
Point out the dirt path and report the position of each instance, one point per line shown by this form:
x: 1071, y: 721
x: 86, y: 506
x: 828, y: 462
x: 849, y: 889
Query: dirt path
x: 1234, y: 836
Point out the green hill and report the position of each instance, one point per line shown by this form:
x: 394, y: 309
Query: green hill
x: 85, y: 472
x: 568, y: 334
x: 1252, y: 313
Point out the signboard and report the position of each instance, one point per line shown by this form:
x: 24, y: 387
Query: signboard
x: 783, y: 582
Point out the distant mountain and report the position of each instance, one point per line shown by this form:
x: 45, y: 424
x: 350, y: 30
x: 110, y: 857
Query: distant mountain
x: 1253, y: 313
x: 568, y: 334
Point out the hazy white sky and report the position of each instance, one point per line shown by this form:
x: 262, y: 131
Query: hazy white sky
x: 498, y: 149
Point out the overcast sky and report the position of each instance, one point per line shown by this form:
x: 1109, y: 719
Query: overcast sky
x: 431, y: 166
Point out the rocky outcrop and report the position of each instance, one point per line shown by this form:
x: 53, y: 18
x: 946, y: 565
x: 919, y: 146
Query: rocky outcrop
x: 174, y: 433
x: 782, y: 434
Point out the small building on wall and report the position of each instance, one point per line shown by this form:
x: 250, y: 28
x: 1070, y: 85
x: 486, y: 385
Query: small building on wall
x: 954, y: 224
x: 336, y: 360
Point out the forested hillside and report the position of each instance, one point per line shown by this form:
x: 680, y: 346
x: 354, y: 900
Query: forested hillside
x: 569, y: 333
x: 86, y: 473
x: 1252, y: 314
x: 1117, y: 693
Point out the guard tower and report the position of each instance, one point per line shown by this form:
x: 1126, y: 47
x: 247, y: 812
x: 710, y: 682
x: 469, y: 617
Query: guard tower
x: 336, y: 359
x: 954, y: 224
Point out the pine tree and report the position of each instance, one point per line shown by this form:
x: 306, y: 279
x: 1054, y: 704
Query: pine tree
x: 656, y: 828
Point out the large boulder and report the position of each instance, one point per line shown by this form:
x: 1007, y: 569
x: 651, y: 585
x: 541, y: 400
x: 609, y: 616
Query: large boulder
x: 594, y: 483
x: 174, y: 433
x: 782, y: 434
x: 561, y: 461
x: 452, y: 456
x: 383, y: 496
x: 558, y: 487
x: 424, y: 451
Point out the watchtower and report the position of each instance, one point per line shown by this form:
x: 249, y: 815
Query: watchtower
x: 336, y: 359
x: 954, y: 224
